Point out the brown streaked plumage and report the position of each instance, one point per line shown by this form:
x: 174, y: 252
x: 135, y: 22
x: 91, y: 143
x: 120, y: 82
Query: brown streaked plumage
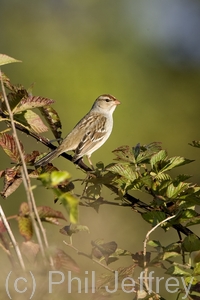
x: 89, y: 134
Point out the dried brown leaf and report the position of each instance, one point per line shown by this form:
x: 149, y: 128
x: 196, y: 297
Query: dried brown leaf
x: 52, y: 118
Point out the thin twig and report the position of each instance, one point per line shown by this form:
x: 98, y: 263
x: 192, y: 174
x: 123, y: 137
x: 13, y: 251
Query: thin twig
x: 15, y: 245
x: 145, y: 249
x: 88, y: 256
x: 26, y: 180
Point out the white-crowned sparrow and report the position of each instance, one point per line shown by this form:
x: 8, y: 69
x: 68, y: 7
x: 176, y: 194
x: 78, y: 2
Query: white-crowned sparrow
x: 89, y: 134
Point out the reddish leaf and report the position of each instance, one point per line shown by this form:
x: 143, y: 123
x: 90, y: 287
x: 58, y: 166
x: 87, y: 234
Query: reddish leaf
x: 6, y: 81
x: 8, y: 144
x: 31, y: 157
x: 31, y: 102
x: 11, y: 181
x: 46, y: 212
x: 53, y: 120
x: 15, y: 97
x: 64, y: 261
x: 2, y: 227
x: 30, y: 250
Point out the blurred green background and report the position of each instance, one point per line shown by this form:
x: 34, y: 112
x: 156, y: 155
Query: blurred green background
x: 147, y: 54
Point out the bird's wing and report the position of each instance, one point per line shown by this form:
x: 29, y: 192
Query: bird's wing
x: 95, y: 131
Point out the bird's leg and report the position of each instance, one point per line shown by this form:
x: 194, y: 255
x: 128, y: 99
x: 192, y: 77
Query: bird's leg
x: 90, y: 162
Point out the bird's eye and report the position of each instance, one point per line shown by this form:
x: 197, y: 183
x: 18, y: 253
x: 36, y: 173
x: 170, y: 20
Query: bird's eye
x: 107, y: 100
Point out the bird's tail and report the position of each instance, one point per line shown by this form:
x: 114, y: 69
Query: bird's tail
x: 47, y: 158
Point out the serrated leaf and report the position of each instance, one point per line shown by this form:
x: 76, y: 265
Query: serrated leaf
x: 11, y: 187
x: 123, y: 170
x: 31, y: 102
x: 191, y: 243
x: 174, y: 191
x: 195, y: 144
x: 124, y: 153
x: 46, y: 212
x: 9, y: 146
x: 157, y: 157
x: 30, y: 250
x: 146, y: 152
x: 174, y: 162
x: 6, y: 81
x: 185, y: 215
x: 154, y: 217
x: 25, y: 227
x: 53, y: 120
x: 193, y: 221
x: 181, y: 178
x: 176, y: 271
x: 64, y: 261
x: 35, y: 122
x: 5, y: 59
x: 70, y: 203
x: 31, y: 121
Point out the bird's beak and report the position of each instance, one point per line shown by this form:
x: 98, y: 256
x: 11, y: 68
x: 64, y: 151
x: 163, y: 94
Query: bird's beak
x: 117, y: 102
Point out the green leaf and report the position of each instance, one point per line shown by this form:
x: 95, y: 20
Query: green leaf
x: 154, y: 217
x: 161, y: 155
x: 186, y: 214
x: 176, y: 161
x: 31, y: 121
x: 174, y: 247
x: 191, y: 243
x: 170, y: 254
x: 197, y: 269
x: 176, y: 271
x: 154, y: 243
x: 31, y: 102
x: 5, y: 59
x: 175, y: 191
x: 194, y: 221
x: 123, y: 170
x: 146, y: 152
x: 124, y: 153
x: 25, y: 227
x: 54, y: 178
x: 71, y: 205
